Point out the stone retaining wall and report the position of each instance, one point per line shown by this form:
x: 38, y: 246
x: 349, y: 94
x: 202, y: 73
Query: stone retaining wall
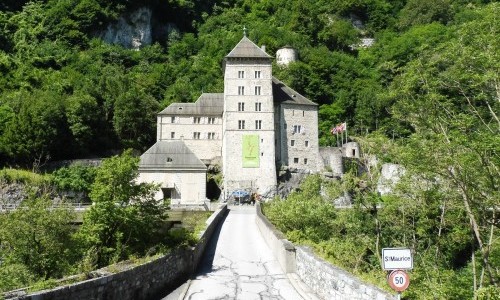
x: 148, y: 281
x: 324, y: 279
x: 330, y: 282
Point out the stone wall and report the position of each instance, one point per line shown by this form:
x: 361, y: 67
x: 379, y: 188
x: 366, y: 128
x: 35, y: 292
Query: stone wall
x: 283, y: 250
x: 330, y: 282
x: 322, y: 278
x: 151, y: 280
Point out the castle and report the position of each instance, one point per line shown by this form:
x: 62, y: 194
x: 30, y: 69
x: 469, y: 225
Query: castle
x: 252, y: 130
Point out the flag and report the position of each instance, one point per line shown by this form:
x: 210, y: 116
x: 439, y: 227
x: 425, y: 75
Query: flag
x: 333, y: 130
x: 339, y: 128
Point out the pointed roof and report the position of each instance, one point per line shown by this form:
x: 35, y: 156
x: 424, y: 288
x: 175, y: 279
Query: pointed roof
x: 247, y: 48
x: 170, y: 155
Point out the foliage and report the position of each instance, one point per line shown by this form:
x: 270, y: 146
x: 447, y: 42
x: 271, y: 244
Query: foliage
x: 76, y: 177
x: 305, y: 220
x: 125, y: 218
x: 36, y: 238
x: 448, y: 232
x: 23, y: 176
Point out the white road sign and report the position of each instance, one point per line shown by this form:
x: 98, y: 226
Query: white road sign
x: 397, y: 259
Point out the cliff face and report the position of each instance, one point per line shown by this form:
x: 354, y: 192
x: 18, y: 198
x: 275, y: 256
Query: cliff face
x: 137, y: 29
x: 133, y: 30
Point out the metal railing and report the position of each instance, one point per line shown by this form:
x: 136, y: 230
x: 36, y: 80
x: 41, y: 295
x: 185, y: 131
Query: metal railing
x: 5, y: 207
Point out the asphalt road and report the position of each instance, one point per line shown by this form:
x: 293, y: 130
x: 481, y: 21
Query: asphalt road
x: 238, y: 264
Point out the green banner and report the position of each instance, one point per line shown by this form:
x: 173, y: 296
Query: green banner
x: 251, y: 151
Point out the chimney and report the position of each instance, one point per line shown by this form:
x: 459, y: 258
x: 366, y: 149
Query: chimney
x: 263, y: 47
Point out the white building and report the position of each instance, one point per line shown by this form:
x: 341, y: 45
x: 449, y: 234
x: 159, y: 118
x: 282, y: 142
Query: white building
x: 256, y: 127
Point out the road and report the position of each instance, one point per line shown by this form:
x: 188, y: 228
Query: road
x: 238, y: 264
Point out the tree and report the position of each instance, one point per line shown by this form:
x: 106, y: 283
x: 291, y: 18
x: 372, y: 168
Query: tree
x: 38, y: 130
x: 449, y: 95
x: 38, y: 238
x: 134, y: 119
x: 125, y: 218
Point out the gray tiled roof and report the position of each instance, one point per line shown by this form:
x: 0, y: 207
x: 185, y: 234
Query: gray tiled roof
x: 208, y: 104
x: 247, y: 48
x: 169, y: 155
x: 284, y: 94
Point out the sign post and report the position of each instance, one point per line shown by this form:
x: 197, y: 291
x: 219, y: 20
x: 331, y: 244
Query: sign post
x: 397, y: 260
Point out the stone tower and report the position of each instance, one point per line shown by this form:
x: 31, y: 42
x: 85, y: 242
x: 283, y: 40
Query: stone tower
x: 286, y: 55
x: 248, y: 144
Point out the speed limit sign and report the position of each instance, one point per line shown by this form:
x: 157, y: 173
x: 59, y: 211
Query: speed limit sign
x: 399, y: 280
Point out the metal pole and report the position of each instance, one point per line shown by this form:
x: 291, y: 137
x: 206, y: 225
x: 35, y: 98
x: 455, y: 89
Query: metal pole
x: 398, y: 296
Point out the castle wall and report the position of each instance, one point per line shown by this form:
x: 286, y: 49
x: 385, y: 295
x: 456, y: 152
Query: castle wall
x: 206, y: 146
x: 298, y: 147
x: 189, y: 186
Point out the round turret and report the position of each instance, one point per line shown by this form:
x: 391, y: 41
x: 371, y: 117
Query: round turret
x: 286, y: 55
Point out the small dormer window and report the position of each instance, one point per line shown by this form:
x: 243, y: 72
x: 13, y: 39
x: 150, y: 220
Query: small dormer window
x: 169, y: 159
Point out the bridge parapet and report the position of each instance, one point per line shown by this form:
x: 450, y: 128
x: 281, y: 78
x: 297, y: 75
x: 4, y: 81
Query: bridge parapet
x: 150, y: 280
x: 322, y: 278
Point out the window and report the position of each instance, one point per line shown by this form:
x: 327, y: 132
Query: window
x: 241, y: 124
x: 292, y: 143
x: 303, y: 113
x: 241, y: 74
x: 241, y: 106
x: 307, y: 143
x: 211, y: 120
x: 295, y: 160
x: 258, y: 106
x: 196, y: 120
x: 211, y: 135
x: 257, y: 74
x: 305, y: 161
x: 258, y: 124
x: 196, y: 135
x: 257, y: 90
x: 172, y: 135
x: 241, y: 90
x: 172, y: 119
x: 297, y: 128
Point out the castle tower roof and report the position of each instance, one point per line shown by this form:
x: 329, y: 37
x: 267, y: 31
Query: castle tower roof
x: 247, y: 49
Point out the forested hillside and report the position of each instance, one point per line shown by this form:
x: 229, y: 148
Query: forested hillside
x: 65, y: 93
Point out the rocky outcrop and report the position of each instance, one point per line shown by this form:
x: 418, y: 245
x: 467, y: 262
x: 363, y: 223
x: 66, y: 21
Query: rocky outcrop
x: 389, y: 177
x: 131, y: 31
x: 137, y: 29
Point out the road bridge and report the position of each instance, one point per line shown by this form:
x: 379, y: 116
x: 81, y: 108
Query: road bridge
x: 238, y: 264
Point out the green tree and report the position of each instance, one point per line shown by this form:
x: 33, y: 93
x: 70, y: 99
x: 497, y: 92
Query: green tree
x: 38, y: 130
x: 125, y: 218
x: 450, y: 97
x: 36, y: 237
x: 134, y: 119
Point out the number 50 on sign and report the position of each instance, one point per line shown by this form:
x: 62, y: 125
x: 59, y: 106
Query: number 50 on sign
x: 399, y: 280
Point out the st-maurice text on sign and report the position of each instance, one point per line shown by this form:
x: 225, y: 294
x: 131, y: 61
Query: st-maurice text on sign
x: 397, y: 259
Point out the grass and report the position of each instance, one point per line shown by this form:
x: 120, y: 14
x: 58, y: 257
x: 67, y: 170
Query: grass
x: 23, y: 176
